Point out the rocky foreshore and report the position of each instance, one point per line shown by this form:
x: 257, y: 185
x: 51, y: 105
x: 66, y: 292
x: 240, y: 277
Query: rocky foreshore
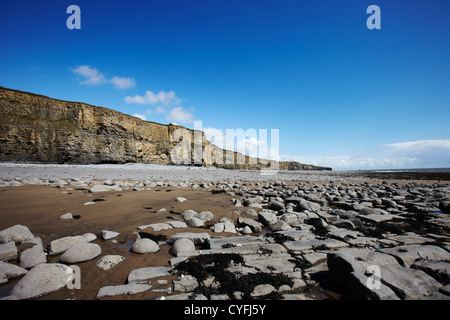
x: 282, y: 240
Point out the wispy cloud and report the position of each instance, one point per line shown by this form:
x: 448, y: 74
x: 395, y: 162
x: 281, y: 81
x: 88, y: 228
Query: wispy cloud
x: 92, y: 76
x: 164, y: 101
x: 123, y: 83
x: 180, y: 115
x: 162, y: 97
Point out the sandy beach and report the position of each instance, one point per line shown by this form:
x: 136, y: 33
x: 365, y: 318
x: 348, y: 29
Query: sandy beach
x: 66, y: 189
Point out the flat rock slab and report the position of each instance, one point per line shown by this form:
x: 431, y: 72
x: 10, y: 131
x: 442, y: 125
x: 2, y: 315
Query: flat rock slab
x: 43, y: 279
x: 148, y: 273
x: 219, y: 243
x: 131, y: 288
x: 272, y: 248
x: 109, y: 261
x: 374, y: 217
x: 16, y: 233
x: 409, y: 284
x: 315, y: 244
x: 408, y: 254
x: 439, y: 270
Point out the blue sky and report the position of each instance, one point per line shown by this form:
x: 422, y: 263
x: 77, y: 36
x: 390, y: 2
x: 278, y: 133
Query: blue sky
x: 340, y: 95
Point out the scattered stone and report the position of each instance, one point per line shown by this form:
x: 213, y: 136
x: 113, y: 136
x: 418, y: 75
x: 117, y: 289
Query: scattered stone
x: 8, y: 251
x: 66, y: 216
x: 146, y: 273
x: 61, y: 245
x: 144, y: 246
x: 129, y: 289
x: 109, y: 261
x: 43, y: 279
x: 182, y: 245
x: 81, y: 252
x: 195, y: 222
x: 89, y: 237
x: 33, y: 256
x: 17, y: 233
x: 11, y: 271
x: 185, y: 284
x: 180, y: 199
x: 107, y: 235
x: 263, y: 290
x: 104, y: 188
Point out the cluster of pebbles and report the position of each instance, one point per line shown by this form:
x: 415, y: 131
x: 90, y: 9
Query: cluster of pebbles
x: 289, y: 241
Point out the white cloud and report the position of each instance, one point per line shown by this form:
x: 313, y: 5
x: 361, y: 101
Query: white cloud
x: 140, y: 116
x: 419, y: 146
x: 92, y: 75
x: 122, y: 82
x: 180, y: 115
x: 164, y: 98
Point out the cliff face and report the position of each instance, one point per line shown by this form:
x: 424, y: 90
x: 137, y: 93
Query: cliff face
x: 35, y: 128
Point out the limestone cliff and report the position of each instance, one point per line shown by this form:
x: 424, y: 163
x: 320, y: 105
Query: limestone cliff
x: 35, y: 128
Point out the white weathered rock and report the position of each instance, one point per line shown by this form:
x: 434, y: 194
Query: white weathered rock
x: 81, y: 252
x: 180, y: 199
x: 43, y: 279
x: 182, y: 245
x: 409, y: 284
x: 185, y: 284
x: 145, y: 246
x: 409, y: 254
x: 262, y: 290
x: 206, y: 216
x: 148, y: 273
x: 177, y: 224
x: 188, y: 214
x: 16, y: 233
x: 129, y: 289
x: 104, y: 188
x: 195, y: 222
x: 267, y: 217
x: 66, y: 216
x: 109, y: 261
x: 33, y: 256
x: 11, y: 270
x: 8, y: 251
x: 60, y: 245
x: 107, y: 235
x: 89, y: 237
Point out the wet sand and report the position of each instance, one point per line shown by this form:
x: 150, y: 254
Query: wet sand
x: 39, y: 208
